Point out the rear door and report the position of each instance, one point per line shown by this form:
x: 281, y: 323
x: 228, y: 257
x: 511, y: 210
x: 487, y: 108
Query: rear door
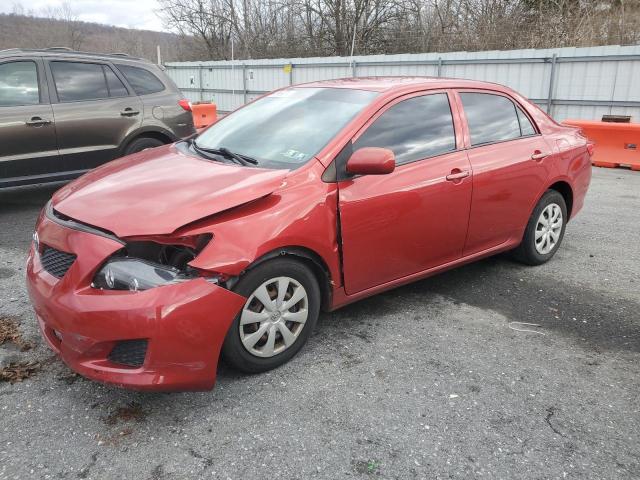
x: 511, y: 163
x: 160, y: 97
x: 27, y: 127
x: 415, y: 218
x: 94, y: 111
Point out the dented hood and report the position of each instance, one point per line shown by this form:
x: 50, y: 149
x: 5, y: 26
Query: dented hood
x: 157, y: 191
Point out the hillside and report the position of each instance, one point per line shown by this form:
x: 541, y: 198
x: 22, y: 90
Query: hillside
x: 32, y: 32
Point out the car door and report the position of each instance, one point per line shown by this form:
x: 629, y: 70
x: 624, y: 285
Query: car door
x: 416, y: 217
x: 27, y: 127
x: 94, y: 111
x: 510, y: 162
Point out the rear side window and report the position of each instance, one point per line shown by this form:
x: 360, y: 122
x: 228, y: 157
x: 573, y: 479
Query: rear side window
x: 143, y: 81
x: 413, y: 129
x: 526, y: 128
x: 79, y: 81
x: 491, y: 118
x: 19, y: 84
x: 116, y: 87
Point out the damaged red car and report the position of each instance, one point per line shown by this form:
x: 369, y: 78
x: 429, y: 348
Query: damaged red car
x: 147, y: 270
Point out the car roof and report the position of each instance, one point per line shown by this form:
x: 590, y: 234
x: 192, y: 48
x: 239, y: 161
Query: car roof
x: 63, y: 52
x: 383, y: 84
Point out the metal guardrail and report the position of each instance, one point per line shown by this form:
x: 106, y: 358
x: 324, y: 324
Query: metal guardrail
x: 439, y: 63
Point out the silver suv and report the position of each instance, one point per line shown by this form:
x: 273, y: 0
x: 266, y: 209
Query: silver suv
x: 64, y: 112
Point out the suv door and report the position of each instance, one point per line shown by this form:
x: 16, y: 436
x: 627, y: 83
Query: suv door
x: 94, y: 111
x: 415, y: 218
x: 511, y: 163
x: 27, y: 129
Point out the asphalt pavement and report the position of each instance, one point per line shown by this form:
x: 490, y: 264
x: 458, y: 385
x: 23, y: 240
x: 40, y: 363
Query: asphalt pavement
x: 433, y: 380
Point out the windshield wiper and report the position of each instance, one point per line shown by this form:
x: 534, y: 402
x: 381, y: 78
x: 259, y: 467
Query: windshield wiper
x: 243, y: 159
x: 226, y: 153
x: 206, y: 153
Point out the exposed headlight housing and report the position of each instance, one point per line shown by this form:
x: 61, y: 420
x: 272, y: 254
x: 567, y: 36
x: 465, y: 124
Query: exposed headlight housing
x: 136, y: 275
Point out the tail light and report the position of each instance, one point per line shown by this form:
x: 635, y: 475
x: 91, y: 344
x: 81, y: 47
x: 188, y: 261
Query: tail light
x: 185, y: 104
x: 591, y: 148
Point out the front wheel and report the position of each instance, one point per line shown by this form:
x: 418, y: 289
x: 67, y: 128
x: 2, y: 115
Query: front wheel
x: 545, y: 230
x: 282, y: 307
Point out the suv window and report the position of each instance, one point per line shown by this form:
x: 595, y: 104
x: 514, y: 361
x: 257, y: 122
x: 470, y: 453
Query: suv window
x: 116, y: 87
x: 142, y: 80
x: 413, y: 129
x: 19, y: 84
x: 491, y: 118
x: 79, y: 81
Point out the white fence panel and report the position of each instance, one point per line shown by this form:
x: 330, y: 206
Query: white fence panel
x: 581, y: 83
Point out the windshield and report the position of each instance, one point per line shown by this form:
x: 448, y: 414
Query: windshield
x: 288, y: 127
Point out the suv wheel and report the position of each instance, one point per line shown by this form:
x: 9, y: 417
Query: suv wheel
x: 142, y: 143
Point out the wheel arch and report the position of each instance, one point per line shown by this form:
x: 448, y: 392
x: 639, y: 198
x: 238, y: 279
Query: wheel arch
x: 311, y: 259
x: 157, y: 133
x: 564, y: 188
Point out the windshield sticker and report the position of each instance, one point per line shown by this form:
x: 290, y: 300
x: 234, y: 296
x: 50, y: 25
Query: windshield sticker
x: 294, y: 155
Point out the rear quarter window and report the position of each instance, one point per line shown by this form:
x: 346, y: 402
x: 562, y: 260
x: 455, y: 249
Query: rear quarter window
x: 141, y: 80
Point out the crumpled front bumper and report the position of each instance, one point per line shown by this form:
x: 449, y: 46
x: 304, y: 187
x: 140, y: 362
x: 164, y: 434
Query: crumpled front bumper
x: 184, y: 324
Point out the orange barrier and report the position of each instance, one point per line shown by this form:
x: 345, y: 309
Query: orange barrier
x: 616, y: 143
x: 204, y: 114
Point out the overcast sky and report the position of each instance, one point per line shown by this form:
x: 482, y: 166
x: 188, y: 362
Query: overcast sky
x: 122, y: 13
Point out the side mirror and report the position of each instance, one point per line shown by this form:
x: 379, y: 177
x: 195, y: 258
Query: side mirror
x: 371, y: 161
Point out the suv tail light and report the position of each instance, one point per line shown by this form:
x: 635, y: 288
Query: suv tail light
x: 591, y: 148
x: 185, y: 104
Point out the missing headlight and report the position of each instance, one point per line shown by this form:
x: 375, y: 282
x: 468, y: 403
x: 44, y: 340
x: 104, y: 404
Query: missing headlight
x: 146, y: 264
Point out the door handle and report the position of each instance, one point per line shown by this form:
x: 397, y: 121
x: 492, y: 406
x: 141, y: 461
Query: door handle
x: 37, y: 122
x: 538, y: 155
x: 457, y: 174
x: 129, y: 112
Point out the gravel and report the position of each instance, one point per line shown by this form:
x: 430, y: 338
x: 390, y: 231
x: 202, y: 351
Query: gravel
x: 432, y: 380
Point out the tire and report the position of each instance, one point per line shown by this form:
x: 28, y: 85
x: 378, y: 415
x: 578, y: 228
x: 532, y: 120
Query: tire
x: 534, y: 251
x: 267, y: 278
x: 142, y: 143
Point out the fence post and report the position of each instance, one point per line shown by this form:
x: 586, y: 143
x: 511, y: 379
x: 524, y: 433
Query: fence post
x: 201, y: 98
x: 354, y: 66
x: 244, y: 83
x: 552, y: 79
x: 439, y: 66
x: 290, y: 73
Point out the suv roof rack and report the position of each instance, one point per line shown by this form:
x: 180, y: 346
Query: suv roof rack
x: 67, y: 50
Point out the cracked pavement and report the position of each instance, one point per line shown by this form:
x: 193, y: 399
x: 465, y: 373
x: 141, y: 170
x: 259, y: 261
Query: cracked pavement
x: 425, y: 381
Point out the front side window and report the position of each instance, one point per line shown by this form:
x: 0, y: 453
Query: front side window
x: 491, y: 118
x: 77, y: 81
x: 287, y: 128
x: 19, y: 84
x: 141, y: 80
x: 413, y: 129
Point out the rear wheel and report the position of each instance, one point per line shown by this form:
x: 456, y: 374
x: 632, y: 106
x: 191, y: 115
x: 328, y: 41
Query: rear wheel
x: 142, y: 143
x: 282, y: 307
x: 545, y: 230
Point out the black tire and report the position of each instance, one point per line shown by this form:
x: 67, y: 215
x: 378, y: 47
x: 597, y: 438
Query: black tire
x: 142, y: 143
x: 234, y: 352
x: 526, y: 252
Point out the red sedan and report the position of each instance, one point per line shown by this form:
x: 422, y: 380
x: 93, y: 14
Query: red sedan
x: 144, y: 271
